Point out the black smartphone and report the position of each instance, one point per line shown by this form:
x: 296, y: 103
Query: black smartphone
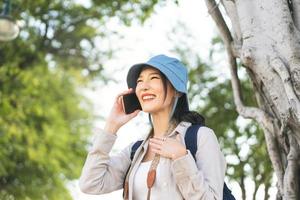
x: 131, y: 103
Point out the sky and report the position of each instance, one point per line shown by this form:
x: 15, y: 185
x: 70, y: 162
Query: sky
x: 139, y: 43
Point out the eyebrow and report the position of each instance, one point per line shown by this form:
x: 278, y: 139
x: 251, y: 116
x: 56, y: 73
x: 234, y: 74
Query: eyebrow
x: 153, y: 73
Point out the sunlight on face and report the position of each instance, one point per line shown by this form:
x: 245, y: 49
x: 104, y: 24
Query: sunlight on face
x: 151, y: 92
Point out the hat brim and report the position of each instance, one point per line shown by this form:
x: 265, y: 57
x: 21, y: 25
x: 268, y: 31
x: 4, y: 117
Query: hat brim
x: 134, y: 73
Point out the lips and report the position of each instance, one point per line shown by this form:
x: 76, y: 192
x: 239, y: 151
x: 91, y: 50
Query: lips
x: 147, y: 96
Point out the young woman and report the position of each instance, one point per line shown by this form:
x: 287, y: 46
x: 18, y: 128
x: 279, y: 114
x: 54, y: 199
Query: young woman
x: 162, y: 167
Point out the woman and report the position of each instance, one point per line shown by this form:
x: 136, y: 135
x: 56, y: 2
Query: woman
x: 162, y: 167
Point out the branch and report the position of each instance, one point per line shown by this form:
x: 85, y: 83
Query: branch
x: 284, y: 74
x: 214, y: 11
x: 291, y: 187
x: 296, y: 13
x: 231, y: 11
x: 273, y: 150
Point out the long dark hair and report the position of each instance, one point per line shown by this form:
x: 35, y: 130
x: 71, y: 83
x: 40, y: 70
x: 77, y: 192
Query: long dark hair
x: 182, y: 112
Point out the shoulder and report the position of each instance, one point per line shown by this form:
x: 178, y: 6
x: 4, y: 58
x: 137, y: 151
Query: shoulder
x: 206, y: 135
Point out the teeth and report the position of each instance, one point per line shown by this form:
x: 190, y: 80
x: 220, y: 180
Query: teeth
x: 148, y: 97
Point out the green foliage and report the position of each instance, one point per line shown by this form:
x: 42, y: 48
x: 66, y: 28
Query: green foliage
x: 65, y: 32
x: 44, y: 122
x: 43, y: 133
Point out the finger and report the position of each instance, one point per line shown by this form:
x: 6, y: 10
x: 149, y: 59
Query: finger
x: 159, y: 138
x: 130, y: 90
x: 157, y: 141
x: 134, y: 114
x: 155, y: 146
x: 156, y: 151
x: 119, y: 99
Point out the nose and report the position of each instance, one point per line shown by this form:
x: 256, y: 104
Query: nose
x: 144, y: 86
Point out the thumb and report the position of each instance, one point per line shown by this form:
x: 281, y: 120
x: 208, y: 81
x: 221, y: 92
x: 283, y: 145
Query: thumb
x: 134, y: 114
x: 178, y: 138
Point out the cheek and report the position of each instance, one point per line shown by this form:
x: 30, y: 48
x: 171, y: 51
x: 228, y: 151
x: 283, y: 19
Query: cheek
x: 170, y: 95
x: 138, y: 92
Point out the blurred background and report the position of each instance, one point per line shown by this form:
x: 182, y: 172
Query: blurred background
x: 62, y: 64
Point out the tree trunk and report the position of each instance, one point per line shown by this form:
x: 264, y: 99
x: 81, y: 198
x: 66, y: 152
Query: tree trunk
x: 243, y: 188
x: 265, y: 38
x: 267, y: 187
x: 255, y: 191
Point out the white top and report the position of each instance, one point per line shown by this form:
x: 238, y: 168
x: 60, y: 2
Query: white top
x: 161, y: 188
x: 140, y: 181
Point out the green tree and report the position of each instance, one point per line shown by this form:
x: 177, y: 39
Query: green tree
x: 43, y: 133
x: 44, y: 121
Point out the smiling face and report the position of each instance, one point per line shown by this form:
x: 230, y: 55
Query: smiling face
x: 151, y: 92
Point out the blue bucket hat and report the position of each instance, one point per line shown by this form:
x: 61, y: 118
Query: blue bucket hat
x: 172, y: 68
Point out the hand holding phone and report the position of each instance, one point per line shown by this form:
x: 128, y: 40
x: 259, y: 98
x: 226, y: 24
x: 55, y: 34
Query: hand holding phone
x: 131, y: 103
x: 122, y: 111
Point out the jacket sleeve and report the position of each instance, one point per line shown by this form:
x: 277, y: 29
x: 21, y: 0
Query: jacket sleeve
x: 102, y: 173
x: 203, y: 179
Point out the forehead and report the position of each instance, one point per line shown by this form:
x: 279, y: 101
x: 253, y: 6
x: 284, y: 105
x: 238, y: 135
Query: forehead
x: 148, y: 71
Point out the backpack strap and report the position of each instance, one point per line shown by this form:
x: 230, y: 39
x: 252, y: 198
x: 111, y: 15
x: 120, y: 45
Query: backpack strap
x: 191, y: 138
x: 227, y: 195
x: 134, y: 147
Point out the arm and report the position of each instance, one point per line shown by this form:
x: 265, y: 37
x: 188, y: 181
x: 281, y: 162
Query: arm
x: 102, y: 173
x: 204, y: 178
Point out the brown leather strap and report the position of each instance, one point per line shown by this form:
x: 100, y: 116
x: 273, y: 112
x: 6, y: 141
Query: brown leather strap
x: 152, y: 174
x: 151, y: 178
x: 148, y: 194
x: 126, y: 186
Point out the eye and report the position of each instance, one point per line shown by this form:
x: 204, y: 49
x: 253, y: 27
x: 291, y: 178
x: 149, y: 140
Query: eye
x: 138, y: 81
x: 155, y: 77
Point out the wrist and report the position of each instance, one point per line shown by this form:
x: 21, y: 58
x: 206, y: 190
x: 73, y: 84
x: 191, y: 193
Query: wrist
x: 110, y: 128
x: 179, y: 154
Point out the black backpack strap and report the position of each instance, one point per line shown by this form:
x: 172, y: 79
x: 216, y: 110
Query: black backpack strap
x: 190, y: 139
x: 134, y: 147
x: 227, y: 193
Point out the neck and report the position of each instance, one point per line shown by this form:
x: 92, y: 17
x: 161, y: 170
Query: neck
x: 160, y: 124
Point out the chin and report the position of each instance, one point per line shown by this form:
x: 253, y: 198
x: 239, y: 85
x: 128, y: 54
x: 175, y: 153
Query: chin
x: 148, y: 110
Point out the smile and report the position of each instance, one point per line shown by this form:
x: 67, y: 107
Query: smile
x: 148, y: 97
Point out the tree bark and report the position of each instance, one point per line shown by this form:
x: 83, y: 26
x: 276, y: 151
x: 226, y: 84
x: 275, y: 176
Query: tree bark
x: 265, y: 37
x: 296, y: 13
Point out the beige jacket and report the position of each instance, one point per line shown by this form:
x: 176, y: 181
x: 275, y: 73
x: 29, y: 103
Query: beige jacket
x: 201, y: 180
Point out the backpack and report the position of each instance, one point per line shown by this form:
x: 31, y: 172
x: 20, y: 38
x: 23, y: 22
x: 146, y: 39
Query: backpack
x: 191, y: 144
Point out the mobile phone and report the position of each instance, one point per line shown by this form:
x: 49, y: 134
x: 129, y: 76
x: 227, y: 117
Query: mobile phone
x: 131, y: 103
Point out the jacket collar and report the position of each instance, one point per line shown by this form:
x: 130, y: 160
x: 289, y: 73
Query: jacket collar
x: 180, y: 128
